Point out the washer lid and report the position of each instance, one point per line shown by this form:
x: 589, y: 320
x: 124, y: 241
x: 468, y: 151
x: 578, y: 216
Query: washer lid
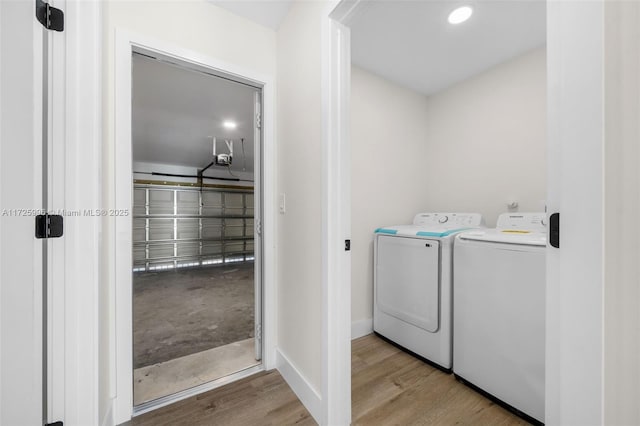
x: 437, y: 225
x: 507, y: 236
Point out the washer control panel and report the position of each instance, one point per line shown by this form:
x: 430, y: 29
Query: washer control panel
x: 522, y: 221
x: 450, y: 220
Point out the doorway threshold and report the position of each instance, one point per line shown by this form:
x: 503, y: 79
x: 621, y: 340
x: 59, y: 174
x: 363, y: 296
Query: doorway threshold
x: 162, y: 401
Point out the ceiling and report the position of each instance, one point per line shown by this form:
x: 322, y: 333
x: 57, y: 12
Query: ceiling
x: 269, y: 13
x: 411, y: 42
x: 176, y: 109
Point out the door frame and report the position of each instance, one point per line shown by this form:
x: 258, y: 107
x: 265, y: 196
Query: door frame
x: 126, y: 43
x: 75, y: 185
x: 336, y: 212
x: 575, y: 91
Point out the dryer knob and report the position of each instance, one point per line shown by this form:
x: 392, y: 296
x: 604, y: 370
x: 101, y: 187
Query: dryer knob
x: 443, y: 219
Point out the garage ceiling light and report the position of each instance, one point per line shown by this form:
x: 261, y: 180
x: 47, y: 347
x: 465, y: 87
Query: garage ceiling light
x: 460, y: 14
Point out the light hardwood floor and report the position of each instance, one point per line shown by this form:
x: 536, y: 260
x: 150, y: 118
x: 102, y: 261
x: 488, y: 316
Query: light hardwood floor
x: 262, y: 399
x: 389, y: 387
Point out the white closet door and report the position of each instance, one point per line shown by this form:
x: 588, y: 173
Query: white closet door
x: 407, y: 287
x: 21, y: 254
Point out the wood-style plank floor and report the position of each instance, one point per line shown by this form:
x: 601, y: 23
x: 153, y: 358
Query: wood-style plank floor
x: 261, y: 399
x: 389, y: 387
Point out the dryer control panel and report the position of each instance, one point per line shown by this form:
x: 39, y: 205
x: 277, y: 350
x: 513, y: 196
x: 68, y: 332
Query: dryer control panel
x: 453, y: 220
x: 535, y: 222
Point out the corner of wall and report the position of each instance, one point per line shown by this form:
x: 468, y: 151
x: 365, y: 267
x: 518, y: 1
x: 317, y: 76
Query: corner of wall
x: 361, y: 328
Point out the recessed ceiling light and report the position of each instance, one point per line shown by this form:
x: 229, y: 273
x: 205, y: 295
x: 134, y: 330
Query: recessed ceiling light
x: 460, y: 14
x: 229, y: 124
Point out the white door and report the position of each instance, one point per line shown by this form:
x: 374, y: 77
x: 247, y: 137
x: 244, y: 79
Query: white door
x: 574, y: 308
x: 407, y: 280
x: 21, y: 183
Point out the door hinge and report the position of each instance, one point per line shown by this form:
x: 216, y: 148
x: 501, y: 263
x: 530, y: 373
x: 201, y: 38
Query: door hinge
x: 347, y: 245
x: 49, y: 226
x: 259, y: 331
x: 54, y: 424
x: 554, y: 230
x: 258, y: 227
x: 50, y: 17
x: 258, y: 121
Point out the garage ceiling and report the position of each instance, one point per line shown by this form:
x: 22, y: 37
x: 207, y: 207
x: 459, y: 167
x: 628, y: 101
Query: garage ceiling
x: 411, y: 42
x: 176, y: 109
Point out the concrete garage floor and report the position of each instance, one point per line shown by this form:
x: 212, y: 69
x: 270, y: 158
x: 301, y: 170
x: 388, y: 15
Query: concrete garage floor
x: 181, y: 312
x: 169, y: 377
x: 191, y: 326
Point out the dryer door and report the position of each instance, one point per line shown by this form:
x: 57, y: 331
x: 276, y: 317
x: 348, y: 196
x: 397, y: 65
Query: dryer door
x: 407, y: 280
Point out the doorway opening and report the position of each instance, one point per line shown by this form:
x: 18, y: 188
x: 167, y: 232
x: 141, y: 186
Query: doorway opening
x: 460, y: 127
x: 196, y: 263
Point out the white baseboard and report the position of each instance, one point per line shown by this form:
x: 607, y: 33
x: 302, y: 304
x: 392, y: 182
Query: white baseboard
x: 306, y: 393
x: 108, y: 420
x: 361, y: 328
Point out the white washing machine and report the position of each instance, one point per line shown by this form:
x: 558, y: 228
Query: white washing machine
x: 412, y: 283
x: 499, y: 311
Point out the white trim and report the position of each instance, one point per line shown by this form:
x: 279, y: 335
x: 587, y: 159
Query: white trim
x: 269, y: 230
x: 348, y: 10
x: 336, y: 220
x: 123, y: 403
x: 107, y: 420
x: 361, y: 328
x: 299, y: 384
x: 336, y: 214
x: 124, y: 45
x: 75, y: 185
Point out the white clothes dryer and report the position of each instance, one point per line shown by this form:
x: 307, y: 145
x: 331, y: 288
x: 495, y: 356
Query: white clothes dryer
x: 499, y: 312
x: 412, y: 283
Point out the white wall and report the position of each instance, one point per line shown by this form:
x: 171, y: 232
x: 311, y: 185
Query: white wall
x: 472, y: 147
x: 388, y: 145
x: 487, y: 140
x: 194, y: 25
x: 622, y: 208
x: 299, y: 165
